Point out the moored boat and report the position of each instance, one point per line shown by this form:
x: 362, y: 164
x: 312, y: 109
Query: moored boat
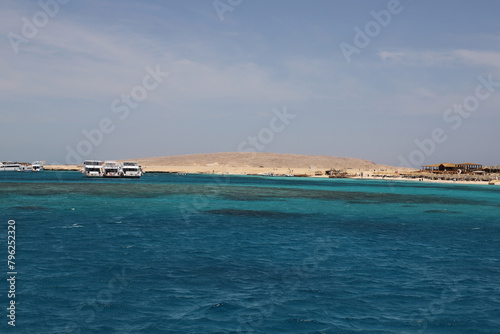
x: 93, y: 168
x: 131, y: 169
x: 37, y: 166
x: 11, y: 167
x: 112, y: 169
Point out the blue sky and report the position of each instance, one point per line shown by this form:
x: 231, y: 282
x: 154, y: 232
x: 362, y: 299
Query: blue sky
x: 230, y: 70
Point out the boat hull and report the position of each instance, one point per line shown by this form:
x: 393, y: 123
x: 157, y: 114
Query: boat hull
x: 115, y: 176
x: 93, y: 174
x: 131, y: 176
x: 7, y: 168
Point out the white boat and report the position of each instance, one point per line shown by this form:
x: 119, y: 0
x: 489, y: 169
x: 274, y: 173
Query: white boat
x: 11, y: 167
x: 112, y: 169
x: 131, y: 169
x: 93, y: 168
x: 37, y: 166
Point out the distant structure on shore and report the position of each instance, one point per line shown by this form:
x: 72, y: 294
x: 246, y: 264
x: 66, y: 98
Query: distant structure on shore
x: 463, y: 168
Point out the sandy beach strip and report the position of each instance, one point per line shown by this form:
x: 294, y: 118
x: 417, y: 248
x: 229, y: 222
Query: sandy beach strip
x: 245, y: 170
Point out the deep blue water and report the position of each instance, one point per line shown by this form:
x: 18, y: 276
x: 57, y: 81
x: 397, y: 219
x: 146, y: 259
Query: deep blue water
x: 204, y: 254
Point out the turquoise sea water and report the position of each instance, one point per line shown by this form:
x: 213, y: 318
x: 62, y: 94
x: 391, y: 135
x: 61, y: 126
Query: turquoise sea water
x: 205, y: 254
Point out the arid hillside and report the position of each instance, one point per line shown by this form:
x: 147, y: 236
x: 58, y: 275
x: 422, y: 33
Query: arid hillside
x: 262, y: 160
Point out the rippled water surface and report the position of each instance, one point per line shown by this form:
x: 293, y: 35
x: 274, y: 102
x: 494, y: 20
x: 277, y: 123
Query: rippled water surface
x: 205, y: 254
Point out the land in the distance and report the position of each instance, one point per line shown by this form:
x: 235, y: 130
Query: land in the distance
x: 247, y: 163
x: 256, y: 163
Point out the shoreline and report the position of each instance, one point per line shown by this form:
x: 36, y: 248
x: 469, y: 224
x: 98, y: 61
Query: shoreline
x: 425, y: 180
x: 297, y: 173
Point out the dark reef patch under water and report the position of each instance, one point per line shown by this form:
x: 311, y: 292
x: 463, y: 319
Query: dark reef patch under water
x: 441, y: 211
x: 29, y: 208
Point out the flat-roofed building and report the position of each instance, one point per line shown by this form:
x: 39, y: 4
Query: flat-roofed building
x: 469, y: 167
x: 492, y: 169
x: 431, y: 168
x: 466, y: 167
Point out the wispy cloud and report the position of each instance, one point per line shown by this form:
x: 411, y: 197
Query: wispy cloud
x: 473, y: 57
x: 430, y: 58
x: 78, y: 62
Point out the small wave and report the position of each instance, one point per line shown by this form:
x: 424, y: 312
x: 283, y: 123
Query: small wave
x: 72, y: 226
x: 254, y: 213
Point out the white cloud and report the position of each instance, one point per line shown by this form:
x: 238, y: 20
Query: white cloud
x: 430, y: 58
x: 487, y: 58
x: 69, y: 60
x: 416, y: 58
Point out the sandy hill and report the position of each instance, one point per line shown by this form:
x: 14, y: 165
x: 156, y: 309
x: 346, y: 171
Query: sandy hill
x: 262, y: 160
